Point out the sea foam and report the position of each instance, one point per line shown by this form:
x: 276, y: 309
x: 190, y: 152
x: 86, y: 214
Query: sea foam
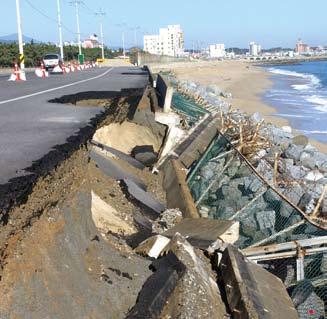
x: 319, y: 101
x: 313, y: 80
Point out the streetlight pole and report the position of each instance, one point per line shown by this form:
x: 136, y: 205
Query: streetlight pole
x: 78, y: 28
x: 123, y: 39
x: 20, y: 36
x: 60, y: 30
x: 101, y: 14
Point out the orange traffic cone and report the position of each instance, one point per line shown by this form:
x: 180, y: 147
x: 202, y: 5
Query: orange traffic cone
x: 41, y: 72
x: 17, y: 74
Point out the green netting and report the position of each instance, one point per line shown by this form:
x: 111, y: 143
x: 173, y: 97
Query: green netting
x: 188, y: 108
x: 224, y: 186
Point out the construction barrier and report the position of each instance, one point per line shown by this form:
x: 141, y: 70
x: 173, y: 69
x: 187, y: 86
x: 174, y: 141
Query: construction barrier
x: 17, y: 75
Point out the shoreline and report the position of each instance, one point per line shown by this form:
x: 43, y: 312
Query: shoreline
x: 247, y: 83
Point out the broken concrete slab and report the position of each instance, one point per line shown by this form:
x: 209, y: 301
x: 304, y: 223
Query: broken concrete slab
x: 152, y: 246
x: 129, y: 159
x: 107, y: 219
x: 177, y: 191
x: 192, y: 148
x: 173, y: 137
x: 147, y: 200
x: 251, y: 291
x: 201, y: 233
x: 110, y: 168
x: 158, y: 288
x: 197, y: 294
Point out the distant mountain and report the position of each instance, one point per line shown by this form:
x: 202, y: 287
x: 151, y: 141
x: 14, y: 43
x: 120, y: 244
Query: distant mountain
x: 14, y: 38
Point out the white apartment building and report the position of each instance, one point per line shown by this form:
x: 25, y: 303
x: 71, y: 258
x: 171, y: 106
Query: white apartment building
x: 170, y: 41
x: 151, y: 44
x: 255, y: 49
x: 217, y: 51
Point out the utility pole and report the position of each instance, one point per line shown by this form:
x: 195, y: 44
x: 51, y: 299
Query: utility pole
x: 60, y: 30
x: 77, y: 2
x: 123, y: 40
x: 20, y: 37
x: 101, y: 14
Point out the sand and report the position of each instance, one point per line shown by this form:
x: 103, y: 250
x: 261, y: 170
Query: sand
x: 243, y: 79
x: 124, y: 137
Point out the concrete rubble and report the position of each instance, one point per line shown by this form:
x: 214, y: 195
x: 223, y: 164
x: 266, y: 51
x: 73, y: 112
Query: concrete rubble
x: 287, y: 192
x: 141, y: 232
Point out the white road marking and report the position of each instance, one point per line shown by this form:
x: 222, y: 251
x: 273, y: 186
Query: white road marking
x: 55, y: 89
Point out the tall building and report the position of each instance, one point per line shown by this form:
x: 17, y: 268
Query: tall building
x: 255, y: 49
x: 301, y: 47
x: 169, y: 41
x: 217, y: 51
x: 152, y: 44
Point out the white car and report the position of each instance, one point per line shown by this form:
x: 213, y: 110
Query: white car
x: 52, y: 60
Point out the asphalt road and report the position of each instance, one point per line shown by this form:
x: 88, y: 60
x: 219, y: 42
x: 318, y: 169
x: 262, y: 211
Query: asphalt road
x: 30, y: 126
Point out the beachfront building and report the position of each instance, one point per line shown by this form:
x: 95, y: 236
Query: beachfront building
x: 217, y: 51
x: 152, y: 44
x: 255, y: 49
x: 302, y: 48
x: 91, y: 42
x: 169, y: 41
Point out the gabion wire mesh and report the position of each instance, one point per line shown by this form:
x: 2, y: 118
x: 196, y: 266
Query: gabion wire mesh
x: 188, y: 108
x: 224, y: 186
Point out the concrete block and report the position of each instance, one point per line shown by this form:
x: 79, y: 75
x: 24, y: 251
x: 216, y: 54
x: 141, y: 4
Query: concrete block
x: 177, y: 191
x: 201, y: 233
x: 147, y: 200
x: 168, y: 99
x: 197, y: 294
x: 158, y: 288
x: 251, y: 291
x: 110, y: 168
x: 129, y: 159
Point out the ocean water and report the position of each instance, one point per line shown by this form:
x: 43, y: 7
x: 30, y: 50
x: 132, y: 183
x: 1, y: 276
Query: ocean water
x: 299, y: 94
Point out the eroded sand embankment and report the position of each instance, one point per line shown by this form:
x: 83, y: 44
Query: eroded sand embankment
x: 61, y: 256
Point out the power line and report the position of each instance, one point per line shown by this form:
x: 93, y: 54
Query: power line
x: 48, y: 17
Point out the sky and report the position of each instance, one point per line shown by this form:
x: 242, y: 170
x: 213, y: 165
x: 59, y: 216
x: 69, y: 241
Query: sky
x: 233, y: 22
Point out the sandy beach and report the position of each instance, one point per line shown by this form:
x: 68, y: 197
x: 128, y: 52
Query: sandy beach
x: 243, y: 79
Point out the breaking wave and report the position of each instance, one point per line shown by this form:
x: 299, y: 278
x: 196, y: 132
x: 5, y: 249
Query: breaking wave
x: 314, y: 81
x: 319, y: 101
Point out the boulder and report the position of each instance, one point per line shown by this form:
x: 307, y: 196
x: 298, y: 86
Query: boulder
x: 252, y: 183
x: 294, y: 171
x: 256, y: 118
x: 266, y: 219
x: 307, y: 203
x: 313, y: 176
x: 294, y: 152
x: 307, y: 160
x: 265, y: 170
x: 300, y: 140
x: 287, y: 129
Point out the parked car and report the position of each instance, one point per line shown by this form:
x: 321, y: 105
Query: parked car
x: 51, y: 60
